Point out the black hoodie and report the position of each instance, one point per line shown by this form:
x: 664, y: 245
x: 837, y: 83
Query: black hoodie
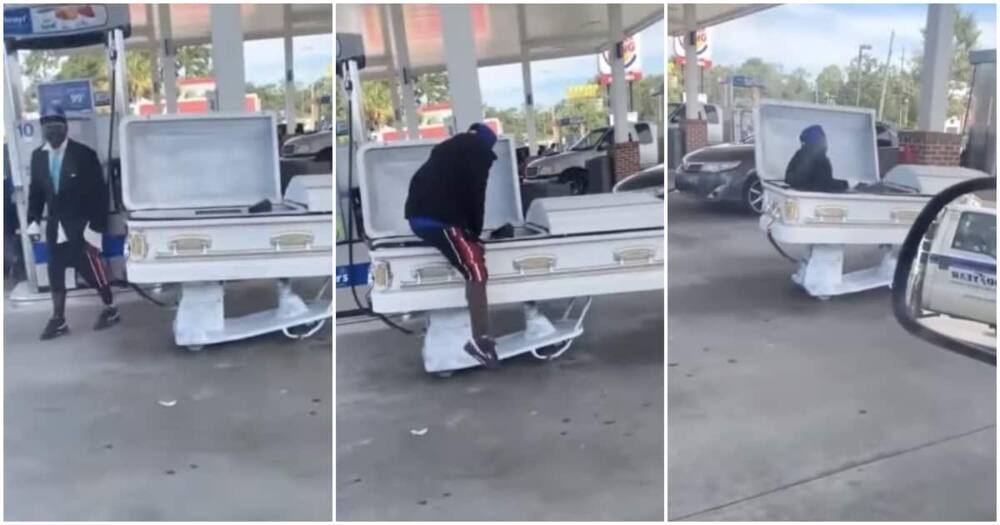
x: 451, y: 185
x: 810, y: 170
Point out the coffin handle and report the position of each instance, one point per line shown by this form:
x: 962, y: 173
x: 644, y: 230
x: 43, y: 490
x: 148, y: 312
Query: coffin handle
x: 190, y: 245
x: 535, y: 264
x: 433, y: 273
x: 291, y: 241
x: 635, y: 255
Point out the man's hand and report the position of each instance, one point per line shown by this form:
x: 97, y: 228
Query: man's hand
x: 34, y: 231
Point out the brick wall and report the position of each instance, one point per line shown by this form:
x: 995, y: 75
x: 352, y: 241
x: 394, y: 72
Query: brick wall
x: 696, y: 135
x: 930, y: 147
x: 624, y: 159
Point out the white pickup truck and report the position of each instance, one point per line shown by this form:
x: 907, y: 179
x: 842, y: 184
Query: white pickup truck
x: 710, y: 113
x: 570, y: 166
x: 961, y: 274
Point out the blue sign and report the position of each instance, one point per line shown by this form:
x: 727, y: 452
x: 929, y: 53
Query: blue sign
x: 744, y: 81
x: 75, y: 96
x: 17, y: 21
x: 356, y: 275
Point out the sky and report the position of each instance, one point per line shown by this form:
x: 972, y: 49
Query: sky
x: 502, y: 88
x: 813, y: 36
x: 264, y: 60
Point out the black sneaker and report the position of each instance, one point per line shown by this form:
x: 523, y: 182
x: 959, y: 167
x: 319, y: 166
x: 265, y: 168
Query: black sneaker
x: 484, y: 350
x: 109, y: 316
x: 54, y: 329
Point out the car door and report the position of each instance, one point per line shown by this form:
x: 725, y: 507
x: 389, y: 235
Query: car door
x: 961, y: 268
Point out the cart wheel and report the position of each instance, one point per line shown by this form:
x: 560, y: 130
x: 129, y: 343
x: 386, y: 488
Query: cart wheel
x: 195, y: 348
x: 549, y: 352
x: 304, y: 330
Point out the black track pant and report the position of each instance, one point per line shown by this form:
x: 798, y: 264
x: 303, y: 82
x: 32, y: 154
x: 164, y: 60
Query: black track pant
x: 86, y: 259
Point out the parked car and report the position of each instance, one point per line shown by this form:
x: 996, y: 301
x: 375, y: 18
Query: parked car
x: 571, y: 166
x: 727, y: 173
x: 317, y: 146
x: 648, y: 180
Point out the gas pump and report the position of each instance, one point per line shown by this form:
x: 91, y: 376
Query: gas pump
x: 352, y: 252
x: 54, y: 27
x: 738, y: 111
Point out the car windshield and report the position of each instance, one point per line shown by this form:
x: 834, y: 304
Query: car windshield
x: 590, y: 140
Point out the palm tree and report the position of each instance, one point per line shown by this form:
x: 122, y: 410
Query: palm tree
x: 377, y: 103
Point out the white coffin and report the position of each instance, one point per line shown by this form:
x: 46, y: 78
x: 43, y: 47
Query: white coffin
x: 188, y: 183
x: 880, y: 215
x: 568, y: 247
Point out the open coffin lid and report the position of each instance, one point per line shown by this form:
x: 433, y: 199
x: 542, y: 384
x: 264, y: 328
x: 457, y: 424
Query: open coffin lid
x: 850, y: 136
x: 384, y: 172
x: 172, y: 162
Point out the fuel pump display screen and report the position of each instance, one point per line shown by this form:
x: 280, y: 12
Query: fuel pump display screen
x: 74, y: 96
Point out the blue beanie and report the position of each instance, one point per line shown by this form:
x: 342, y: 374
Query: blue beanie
x: 812, y: 134
x: 53, y: 112
x: 485, y: 134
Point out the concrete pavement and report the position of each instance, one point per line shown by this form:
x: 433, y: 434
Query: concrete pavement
x: 579, y: 438
x: 86, y: 437
x: 784, y: 407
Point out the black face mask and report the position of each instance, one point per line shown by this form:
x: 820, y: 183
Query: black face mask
x: 54, y: 133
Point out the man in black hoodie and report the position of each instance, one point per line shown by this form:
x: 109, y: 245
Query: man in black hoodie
x: 810, y: 169
x: 66, y: 180
x: 445, y: 208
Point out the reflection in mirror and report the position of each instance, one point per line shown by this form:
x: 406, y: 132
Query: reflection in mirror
x: 949, y: 266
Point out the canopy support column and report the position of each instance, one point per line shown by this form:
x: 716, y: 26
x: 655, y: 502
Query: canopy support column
x: 938, y: 51
x: 167, y: 57
x: 227, y: 57
x: 460, y: 59
x: 401, y: 65
x: 619, y: 88
x: 529, y: 96
x: 290, y: 116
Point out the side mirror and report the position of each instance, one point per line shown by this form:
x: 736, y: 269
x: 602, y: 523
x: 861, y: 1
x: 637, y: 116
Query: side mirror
x: 944, y: 288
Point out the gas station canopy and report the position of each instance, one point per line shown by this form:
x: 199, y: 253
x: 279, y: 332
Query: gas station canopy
x: 552, y: 31
x: 708, y: 15
x: 191, y: 23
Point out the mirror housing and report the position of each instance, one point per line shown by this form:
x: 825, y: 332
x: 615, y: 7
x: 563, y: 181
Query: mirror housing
x: 939, y: 295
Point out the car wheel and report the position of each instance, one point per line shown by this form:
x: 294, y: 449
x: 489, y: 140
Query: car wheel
x: 753, y: 195
x: 577, y: 181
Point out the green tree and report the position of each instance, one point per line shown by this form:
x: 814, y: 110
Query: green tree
x: 45, y: 66
x: 272, y: 96
x: 829, y: 83
x: 644, y: 102
x: 967, y: 35
x: 796, y: 86
x: 432, y: 88
x: 592, y: 111
x: 675, y: 82
x: 194, y: 61
x: 377, y: 102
